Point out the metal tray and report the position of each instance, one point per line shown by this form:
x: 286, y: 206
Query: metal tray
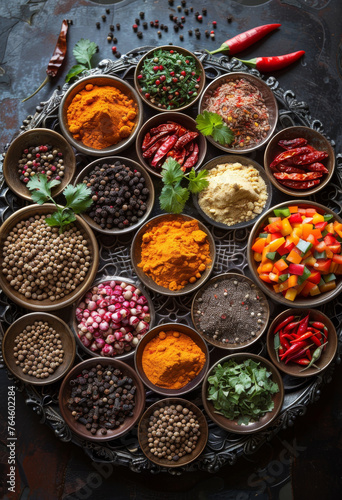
x: 222, y: 447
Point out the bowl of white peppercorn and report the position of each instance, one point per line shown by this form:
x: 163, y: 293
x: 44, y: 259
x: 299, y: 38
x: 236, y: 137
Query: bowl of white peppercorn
x: 39, y: 348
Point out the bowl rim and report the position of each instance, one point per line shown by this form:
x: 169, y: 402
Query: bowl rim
x: 148, y: 124
x: 289, y: 370
x: 169, y: 47
x: 70, y: 298
x: 66, y: 145
x: 43, y: 316
x: 255, y: 79
x: 150, y: 201
x: 157, y: 288
x: 124, y: 367
x: 293, y: 192
x: 297, y: 303
x: 215, y: 343
x: 169, y: 401
x: 275, y: 375
x: 183, y: 390
x: 107, y: 279
x: 232, y: 158
x: 110, y: 150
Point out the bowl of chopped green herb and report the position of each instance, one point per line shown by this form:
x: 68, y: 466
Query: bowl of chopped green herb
x: 169, y: 78
x: 243, y: 393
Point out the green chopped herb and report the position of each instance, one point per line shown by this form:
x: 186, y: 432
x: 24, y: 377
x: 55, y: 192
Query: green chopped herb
x: 83, y: 52
x: 212, y: 124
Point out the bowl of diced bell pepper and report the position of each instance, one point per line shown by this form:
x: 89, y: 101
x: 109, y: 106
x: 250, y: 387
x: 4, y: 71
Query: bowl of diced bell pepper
x: 294, y: 253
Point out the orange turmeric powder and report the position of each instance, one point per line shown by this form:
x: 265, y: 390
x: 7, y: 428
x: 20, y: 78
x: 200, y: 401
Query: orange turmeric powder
x: 172, y: 359
x: 101, y: 116
x: 175, y: 253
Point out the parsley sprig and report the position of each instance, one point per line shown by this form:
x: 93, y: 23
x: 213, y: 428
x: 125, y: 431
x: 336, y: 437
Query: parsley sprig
x: 173, y: 196
x: 83, y: 52
x: 212, y: 124
x: 78, y: 200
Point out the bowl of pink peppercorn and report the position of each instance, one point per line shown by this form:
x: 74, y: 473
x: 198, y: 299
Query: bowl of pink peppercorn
x: 112, y: 317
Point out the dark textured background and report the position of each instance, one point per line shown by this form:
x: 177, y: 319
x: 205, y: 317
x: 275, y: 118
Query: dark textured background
x: 49, y: 469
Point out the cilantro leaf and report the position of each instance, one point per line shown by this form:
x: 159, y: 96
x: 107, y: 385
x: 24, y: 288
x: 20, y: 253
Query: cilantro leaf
x: 78, y: 197
x: 171, y: 171
x: 222, y: 134
x: 74, y: 71
x: 173, y: 198
x: 41, y: 188
x: 84, y: 51
x: 60, y: 218
x: 198, y: 182
x: 212, y: 124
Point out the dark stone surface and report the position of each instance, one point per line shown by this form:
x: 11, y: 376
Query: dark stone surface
x: 303, y: 460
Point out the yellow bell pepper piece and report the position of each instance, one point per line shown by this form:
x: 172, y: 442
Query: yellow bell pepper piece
x: 317, y: 218
x: 257, y: 257
x: 291, y: 294
x: 286, y: 227
x: 275, y: 244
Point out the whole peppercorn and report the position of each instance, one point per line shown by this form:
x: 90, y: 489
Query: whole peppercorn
x: 186, y: 11
x: 104, y: 17
x: 204, y: 11
x: 190, y: 32
x: 181, y: 37
x: 109, y: 38
x: 142, y: 15
x: 145, y: 25
x: 139, y: 34
x: 98, y: 25
x: 117, y: 26
x: 137, y: 21
x: 229, y: 19
x: 111, y: 27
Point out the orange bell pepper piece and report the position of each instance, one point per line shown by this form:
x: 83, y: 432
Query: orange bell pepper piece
x: 294, y: 257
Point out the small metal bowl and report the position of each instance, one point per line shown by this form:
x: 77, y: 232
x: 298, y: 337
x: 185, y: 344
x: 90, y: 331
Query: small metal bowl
x: 149, y: 184
x: 37, y: 137
x: 104, y: 280
x: 186, y: 330
x: 326, y: 357
x: 156, y: 120
x: 46, y: 305
x: 136, y: 256
x: 232, y: 425
x: 245, y: 161
x: 269, y: 99
x: 103, y: 80
x: 66, y: 337
x: 315, y: 139
x: 76, y: 426
x: 182, y: 51
x: 315, y: 301
x: 144, y: 425
x: 211, y: 285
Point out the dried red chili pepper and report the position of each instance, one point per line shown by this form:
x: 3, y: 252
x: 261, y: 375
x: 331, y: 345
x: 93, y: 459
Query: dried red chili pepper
x: 192, y: 159
x: 289, y: 170
x: 152, y: 149
x: 290, y: 154
x: 164, y: 127
x: 317, y: 167
x: 56, y: 59
x: 309, y: 176
x: 300, y: 185
x: 164, y: 148
x: 274, y: 63
x: 154, y: 139
x: 311, y: 157
x: 292, y: 143
x: 184, y: 139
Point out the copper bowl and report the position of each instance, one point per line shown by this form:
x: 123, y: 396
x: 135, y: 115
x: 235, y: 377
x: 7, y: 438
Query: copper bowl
x: 315, y: 139
x: 136, y: 256
x: 66, y: 337
x: 315, y: 301
x: 46, y: 305
x: 232, y: 425
x: 326, y: 357
x: 143, y: 431
x: 77, y: 427
x: 186, y: 330
x: 182, y: 51
x: 173, y: 116
x: 36, y: 137
x: 148, y: 183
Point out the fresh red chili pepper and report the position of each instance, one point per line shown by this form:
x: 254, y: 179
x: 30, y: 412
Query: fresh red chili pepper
x: 57, y: 57
x: 289, y: 169
x: 281, y: 350
x: 309, y: 176
x: 290, y: 336
x: 316, y: 340
x: 154, y: 139
x: 274, y: 63
x: 293, y: 324
x: 184, y: 139
x: 317, y: 324
x: 311, y: 157
x: 283, y: 340
x: 164, y: 127
x: 298, y: 354
x: 299, y: 185
x: 301, y: 361
x: 305, y: 336
x: 283, y: 323
x: 164, y: 148
x: 304, y: 150
x: 292, y: 143
x: 294, y: 348
x: 326, y: 332
x: 243, y: 40
x: 192, y: 159
x: 317, y: 167
x: 303, y: 325
x: 308, y: 354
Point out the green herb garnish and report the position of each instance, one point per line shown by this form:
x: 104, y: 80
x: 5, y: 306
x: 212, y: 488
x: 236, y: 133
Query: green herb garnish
x: 212, y: 124
x: 83, y: 52
x: 173, y: 196
x: 78, y: 200
x: 242, y: 391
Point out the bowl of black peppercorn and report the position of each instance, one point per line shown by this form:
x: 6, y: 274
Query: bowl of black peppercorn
x: 122, y: 192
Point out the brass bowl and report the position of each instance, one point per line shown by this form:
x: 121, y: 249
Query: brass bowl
x: 46, y: 305
x: 76, y: 426
x: 232, y: 425
x: 309, y: 302
x: 315, y: 139
x: 100, y: 80
x: 149, y: 282
x: 326, y: 357
x: 182, y: 51
x: 36, y: 137
x: 143, y: 431
x: 151, y: 334
x: 156, y: 120
x: 66, y: 336
x: 148, y: 184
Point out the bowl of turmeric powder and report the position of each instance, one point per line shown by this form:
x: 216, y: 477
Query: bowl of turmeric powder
x: 172, y: 359
x: 173, y: 254
x: 100, y: 115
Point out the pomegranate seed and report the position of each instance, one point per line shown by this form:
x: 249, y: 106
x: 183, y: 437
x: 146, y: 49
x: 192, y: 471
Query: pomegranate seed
x: 155, y: 68
x: 147, y: 95
x: 187, y: 61
x: 172, y: 73
x: 165, y: 89
x: 162, y: 78
x: 175, y: 80
x: 157, y: 82
x: 140, y: 77
x: 183, y: 73
x: 171, y: 51
x: 161, y: 67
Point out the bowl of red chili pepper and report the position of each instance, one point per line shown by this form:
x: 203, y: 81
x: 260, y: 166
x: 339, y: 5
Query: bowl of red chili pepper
x: 170, y: 135
x: 294, y: 253
x: 299, y: 161
x: 302, y: 342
